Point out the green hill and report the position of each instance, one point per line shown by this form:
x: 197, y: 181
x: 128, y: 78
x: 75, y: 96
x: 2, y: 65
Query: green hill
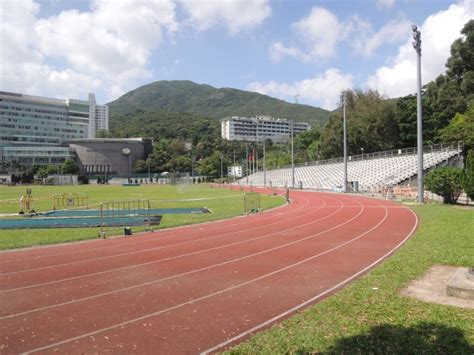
x: 206, y: 101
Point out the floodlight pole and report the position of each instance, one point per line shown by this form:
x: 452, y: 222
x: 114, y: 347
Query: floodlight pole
x: 344, y: 139
x: 247, y: 162
x: 264, y: 164
x: 292, y: 158
x: 222, y: 169
x: 419, y: 113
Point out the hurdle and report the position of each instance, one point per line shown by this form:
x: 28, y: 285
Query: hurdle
x: 68, y: 200
x: 251, y: 202
x: 126, y: 213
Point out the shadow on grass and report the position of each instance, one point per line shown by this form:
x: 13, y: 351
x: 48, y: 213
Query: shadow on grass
x: 424, y: 338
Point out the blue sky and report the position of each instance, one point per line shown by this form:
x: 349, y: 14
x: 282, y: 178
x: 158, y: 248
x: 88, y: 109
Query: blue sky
x: 283, y: 48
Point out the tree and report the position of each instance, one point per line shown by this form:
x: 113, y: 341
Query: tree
x: 461, y: 128
x: 70, y: 167
x: 446, y: 182
x: 103, y: 133
x: 371, y: 124
x: 451, y: 93
x: 467, y: 177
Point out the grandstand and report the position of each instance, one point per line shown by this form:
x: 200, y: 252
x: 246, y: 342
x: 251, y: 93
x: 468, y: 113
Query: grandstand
x: 370, y: 171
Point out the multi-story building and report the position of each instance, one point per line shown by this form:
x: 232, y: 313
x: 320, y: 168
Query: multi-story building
x: 36, y: 130
x: 98, y: 117
x: 34, y: 120
x: 256, y: 129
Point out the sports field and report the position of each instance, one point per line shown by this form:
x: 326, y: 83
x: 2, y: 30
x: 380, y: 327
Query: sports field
x: 222, y: 204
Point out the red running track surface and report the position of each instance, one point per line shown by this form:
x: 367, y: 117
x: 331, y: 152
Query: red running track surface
x: 196, y: 288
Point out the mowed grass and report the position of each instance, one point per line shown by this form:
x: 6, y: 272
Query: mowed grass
x: 223, y: 204
x: 371, y: 317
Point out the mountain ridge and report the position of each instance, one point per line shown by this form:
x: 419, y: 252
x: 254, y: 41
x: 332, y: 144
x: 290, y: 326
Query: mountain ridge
x: 207, y: 101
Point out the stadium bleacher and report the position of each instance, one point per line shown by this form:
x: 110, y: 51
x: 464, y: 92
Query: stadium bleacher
x: 370, y: 171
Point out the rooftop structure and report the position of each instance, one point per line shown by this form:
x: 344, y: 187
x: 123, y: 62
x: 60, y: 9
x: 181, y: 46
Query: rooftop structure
x: 256, y: 129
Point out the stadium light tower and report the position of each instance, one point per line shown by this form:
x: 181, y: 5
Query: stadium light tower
x: 292, y: 157
x: 344, y: 139
x: 419, y: 114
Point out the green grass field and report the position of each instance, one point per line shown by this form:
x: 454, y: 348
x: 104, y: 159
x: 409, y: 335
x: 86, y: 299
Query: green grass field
x: 223, y: 204
x: 361, y: 320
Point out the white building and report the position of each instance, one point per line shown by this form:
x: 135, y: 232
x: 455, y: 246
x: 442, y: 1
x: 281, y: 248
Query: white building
x: 261, y: 127
x: 36, y: 130
x: 98, y: 117
x: 35, y: 120
x: 234, y: 171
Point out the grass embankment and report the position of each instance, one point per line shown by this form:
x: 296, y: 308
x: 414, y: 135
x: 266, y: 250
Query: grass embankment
x: 223, y: 204
x: 361, y: 319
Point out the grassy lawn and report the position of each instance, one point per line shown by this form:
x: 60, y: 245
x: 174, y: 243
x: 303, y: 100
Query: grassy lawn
x: 222, y: 203
x: 361, y: 320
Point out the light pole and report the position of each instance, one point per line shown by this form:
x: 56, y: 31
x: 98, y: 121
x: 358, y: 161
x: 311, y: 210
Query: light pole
x: 264, y: 164
x: 362, y: 150
x: 247, y: 163
x: 345, y: 139
x: 222, y: 169
x: 419, y: 114
x: 292, y: 158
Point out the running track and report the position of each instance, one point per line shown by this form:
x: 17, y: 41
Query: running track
x: 197, y: 288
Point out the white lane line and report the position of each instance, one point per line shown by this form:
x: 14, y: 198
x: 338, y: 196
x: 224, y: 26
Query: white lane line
x: 152, y: 237
x: 185, y: 273
x: 170, y: 258
x: 156, y: 248
x: 129, y: 241
x: 311, y: 300
x: 193, y: 301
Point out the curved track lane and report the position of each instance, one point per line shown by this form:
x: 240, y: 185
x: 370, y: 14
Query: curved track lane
x: 196, y: 288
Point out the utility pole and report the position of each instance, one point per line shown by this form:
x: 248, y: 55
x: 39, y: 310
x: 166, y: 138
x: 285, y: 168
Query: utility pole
x: 419, y: 114
x: 345, y: 139
x: 264, y: 164
x: 292, y: 158
x: 222, y: 168
x: 247, y: 162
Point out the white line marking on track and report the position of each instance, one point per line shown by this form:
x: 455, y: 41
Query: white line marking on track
x: 186, y: 273
x: 193, y: 301
x: 311, y: 300
x: 151, y: 237
x: 152, y: 249
x: 172, y: 258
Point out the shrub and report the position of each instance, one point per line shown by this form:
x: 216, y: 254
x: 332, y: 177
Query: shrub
x: 445, y: 182
x: 467, y: 178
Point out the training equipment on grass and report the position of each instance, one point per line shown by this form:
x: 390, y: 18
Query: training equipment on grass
x: 67, y: 200
x: 89, y: 218
x: 26, y: 202
x: 126, y: 213
x: 251, y: 202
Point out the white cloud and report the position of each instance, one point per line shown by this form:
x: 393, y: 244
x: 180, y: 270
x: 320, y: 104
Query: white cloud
x: 385, y: 3
x: 113, y: 41
x: 235, y: 15
x: 319, y: 33
x: 366, y: 42
x: 322, y: 90
x: 437, y: 32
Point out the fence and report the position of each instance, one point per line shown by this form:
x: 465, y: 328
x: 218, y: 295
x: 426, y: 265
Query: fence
x: 69, y: 200
x: 126, y: 213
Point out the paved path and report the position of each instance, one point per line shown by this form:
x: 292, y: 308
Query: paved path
x: 197, y: 288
